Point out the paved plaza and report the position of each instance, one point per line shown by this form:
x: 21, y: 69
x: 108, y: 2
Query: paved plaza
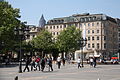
x: 67, y: 72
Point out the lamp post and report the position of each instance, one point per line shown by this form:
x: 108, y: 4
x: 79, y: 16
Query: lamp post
x: 22, y: 33
x: 82, y: 43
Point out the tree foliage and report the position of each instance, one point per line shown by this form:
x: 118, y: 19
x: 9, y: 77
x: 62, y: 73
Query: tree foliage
x: 43, y: 41
x: 67, y: 40
x: 8, y: 20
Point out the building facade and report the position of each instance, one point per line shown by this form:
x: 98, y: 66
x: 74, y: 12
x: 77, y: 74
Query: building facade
x: 34, y: 29
x: 101, y: 31
x: 33, y: 32
x: 118, y: 22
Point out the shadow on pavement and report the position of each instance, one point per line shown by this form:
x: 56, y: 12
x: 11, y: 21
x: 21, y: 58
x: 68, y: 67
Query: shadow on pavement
x: 49, y: 71
x: 3, y: 65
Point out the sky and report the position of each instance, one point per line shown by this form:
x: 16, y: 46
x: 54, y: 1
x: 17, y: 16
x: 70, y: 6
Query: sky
x: 31, y: 10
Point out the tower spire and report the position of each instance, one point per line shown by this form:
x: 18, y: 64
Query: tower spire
x: 42, y: 21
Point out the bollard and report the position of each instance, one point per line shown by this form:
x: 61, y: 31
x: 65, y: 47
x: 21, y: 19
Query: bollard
x: 16, y: 78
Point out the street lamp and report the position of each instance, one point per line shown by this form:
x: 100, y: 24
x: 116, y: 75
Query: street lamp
x: 82, y: 43
x: 22, y: 33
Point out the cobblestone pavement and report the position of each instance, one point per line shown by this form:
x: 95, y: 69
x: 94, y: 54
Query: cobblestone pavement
x: 67, y: 72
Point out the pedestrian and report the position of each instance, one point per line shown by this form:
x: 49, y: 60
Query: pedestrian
x: 49, y: 62
x: 63, y: 60
x: 94, y: 62
x: 91, y: 61
x: 59, y: 62
x: 42, y: 64
x: 37, y: 61
x: 33, y: 66
x: 27, y: 60
x: 79, y: 62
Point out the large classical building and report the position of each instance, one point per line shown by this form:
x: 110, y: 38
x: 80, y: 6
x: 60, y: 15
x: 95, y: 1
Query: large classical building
x: 101, y: 31
x: 118, y: 22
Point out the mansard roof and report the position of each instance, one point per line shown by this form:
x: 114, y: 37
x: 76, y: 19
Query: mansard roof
x: 86, y: 17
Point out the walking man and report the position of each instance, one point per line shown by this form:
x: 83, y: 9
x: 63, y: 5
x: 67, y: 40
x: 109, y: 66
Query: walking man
x: 94, y: 62
x: 42, y: 64
x: 49, y: 61
x: 26, y: 65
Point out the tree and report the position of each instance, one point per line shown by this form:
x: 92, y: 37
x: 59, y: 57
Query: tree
x: 67, y: 40
x: 8, y: 21
x: 43, y: 42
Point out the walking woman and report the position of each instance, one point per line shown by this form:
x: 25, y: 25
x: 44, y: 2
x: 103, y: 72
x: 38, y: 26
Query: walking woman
x: 59, y: 62
x: 33, y: 63
x: 79, y: 61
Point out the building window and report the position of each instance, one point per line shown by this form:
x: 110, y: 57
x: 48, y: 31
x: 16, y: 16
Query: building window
x: 92, y: 24
x: 76, y: 25
x: 93, y: 45
x: 97, y: 31
x: 88, y: 45
x: 57, y: 27
x: 53, y: 33
x: 92, y: 31
x: 65, y: 26
x: 28, y: 37
x: 119, y: 34
x: 89, y: 18
x: 61, y: 26
x: 98, y: 46
x: 104, y: 45
x: 33, y: 36
x: 119, y: 45
x: 104, y: 37
x: 84, y: 24
x: 88, y: 31
x: 97, y: 37
x: 88, y: 24
x: 53, y: 27
x: 88, y: 38
x: 80, y: 25
x: 119, y: 39
x: 82, y: 19
x: 97, y: 23
x: 92, y: 38
x: 57, y: 33
x: 50, y: 27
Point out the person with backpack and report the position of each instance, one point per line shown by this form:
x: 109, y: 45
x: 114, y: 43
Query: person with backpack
x: 49, y: 62
x: 42, y: 64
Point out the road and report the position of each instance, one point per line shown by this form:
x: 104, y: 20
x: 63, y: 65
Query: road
x: 67, y: 72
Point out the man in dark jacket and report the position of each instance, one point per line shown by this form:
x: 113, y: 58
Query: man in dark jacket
x: 42, y: 64
x: 49, y: 60
x: 26, y: 65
